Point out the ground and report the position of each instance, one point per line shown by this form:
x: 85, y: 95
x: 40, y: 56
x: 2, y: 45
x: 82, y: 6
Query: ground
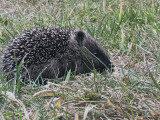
x: 129, y: 30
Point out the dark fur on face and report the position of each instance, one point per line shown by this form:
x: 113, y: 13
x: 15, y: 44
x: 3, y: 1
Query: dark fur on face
x: 53, y: 52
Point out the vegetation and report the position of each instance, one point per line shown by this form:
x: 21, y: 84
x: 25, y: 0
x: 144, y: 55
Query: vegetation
x: 129, y: 30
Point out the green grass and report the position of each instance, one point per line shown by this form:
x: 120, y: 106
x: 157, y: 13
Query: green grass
x: 129, y: 30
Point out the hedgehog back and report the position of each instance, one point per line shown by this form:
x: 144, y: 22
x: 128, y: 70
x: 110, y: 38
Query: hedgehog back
x: 35, y: 46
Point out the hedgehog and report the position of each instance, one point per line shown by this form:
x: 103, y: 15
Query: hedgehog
x: 52, y: 52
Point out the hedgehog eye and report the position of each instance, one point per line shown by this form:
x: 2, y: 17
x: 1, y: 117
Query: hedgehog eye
x: 95, y: 53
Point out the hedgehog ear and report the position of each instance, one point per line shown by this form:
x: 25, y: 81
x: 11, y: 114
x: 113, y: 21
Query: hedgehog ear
x: 80, y: 37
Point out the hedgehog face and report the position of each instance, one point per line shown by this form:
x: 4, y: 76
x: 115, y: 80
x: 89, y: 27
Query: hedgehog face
x: 92, y: 54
